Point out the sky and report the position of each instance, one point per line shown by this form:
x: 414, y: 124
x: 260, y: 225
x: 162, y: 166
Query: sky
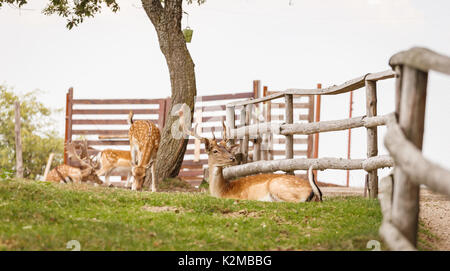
x: 285, y: 44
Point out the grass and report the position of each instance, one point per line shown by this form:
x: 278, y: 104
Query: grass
x: 45, y: 216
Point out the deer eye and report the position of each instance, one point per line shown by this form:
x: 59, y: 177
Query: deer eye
x: 215, y: 151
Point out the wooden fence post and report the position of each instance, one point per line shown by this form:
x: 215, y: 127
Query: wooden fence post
x: 310, y: 147
x: 230, y: 121
x: 68, y: 137
x: 405, y: 205
x: 317, y: 119
x: 19, y: 160
x: 289, y: 119
x: 372, y: 138
x: 48, y: 166
x: 257, y: 140
x: 265, y: 137
x: 244, y: 121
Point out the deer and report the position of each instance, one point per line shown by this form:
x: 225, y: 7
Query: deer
x: 65, y: 173
x: 144, y: 139
x: 261, y: 187
x: 114, y: 162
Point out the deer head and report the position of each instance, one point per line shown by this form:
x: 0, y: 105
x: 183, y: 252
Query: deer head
x: 220, y: 153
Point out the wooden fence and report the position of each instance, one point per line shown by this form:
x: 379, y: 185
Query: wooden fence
x: 288, y: 129
x: 103, y: 122
x: 399, y: 192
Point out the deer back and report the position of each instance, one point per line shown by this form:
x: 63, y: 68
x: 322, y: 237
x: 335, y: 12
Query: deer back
x: 146, y: 136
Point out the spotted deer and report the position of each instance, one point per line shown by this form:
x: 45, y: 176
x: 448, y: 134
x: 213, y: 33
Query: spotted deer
x: 144, y: 143
x: 262, y: 187
x: 66, y: 173
x: 114, y: 162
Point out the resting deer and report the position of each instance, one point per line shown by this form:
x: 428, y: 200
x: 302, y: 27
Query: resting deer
x: 144, y: 143
x: 114, y: 162
x: 66, y: 173
x: 262, y: 187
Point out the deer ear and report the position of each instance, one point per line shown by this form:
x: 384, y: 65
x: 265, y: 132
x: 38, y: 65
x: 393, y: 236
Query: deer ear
x: 207, y: 144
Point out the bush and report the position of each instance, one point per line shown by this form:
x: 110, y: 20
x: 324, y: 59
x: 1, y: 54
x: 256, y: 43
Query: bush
x: 39, y: 134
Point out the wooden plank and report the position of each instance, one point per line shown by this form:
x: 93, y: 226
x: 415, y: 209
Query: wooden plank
x: 105, y: 142
x: 100, y: 132
x: 192, y: 163
x: 113, y: 111
x: 104, y: 121
x: 296, y: 152
x: 230, y: 96
x: 116, y: 101
x: 199, y: 166
x: 190, y: 173
x: 372, y: 138
x: 405, y: 207
x: 212, y: 108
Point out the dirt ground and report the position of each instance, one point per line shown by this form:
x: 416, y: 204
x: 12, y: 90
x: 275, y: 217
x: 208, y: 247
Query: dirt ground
x: 434, y: 212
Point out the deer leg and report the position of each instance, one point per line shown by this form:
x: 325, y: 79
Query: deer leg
x: 129, y: 179
x: 107, y: 174
x: 153, y: 177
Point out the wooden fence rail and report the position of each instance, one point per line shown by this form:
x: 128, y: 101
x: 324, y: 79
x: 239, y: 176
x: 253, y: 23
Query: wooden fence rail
x: 399, y: 197
x: 288, y: 129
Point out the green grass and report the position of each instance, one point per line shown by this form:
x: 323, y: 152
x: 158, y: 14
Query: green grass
x: 45, y: 216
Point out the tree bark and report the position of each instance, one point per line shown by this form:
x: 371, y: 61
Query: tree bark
x: 167, y: 22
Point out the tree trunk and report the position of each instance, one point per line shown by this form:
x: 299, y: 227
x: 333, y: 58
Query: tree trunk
x: 167, y: 22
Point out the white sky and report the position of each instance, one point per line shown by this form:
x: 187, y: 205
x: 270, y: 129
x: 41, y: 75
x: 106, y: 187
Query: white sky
x: 235, y: 42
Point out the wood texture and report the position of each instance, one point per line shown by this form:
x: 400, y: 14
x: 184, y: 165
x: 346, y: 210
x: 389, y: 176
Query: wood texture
x: 230, y: 123
x: 304, y: 164
x: 289, y: 119
x: 421, y: 59
x: 411, y: 120
x: 48, y: 166
x: 372, y: 136
x: 348, y: 86
x: 390, y: 234
x: 309, y: 128
x: 410, y: 160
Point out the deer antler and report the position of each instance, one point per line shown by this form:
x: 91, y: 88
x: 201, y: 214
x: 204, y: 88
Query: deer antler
x: 185, y: 130
x: 224, y: 132
x: 70, y: 147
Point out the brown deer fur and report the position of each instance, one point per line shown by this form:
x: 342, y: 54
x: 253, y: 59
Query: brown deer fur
x: 144, y: 143
x: 262, y: 187
x: 114, y: 161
